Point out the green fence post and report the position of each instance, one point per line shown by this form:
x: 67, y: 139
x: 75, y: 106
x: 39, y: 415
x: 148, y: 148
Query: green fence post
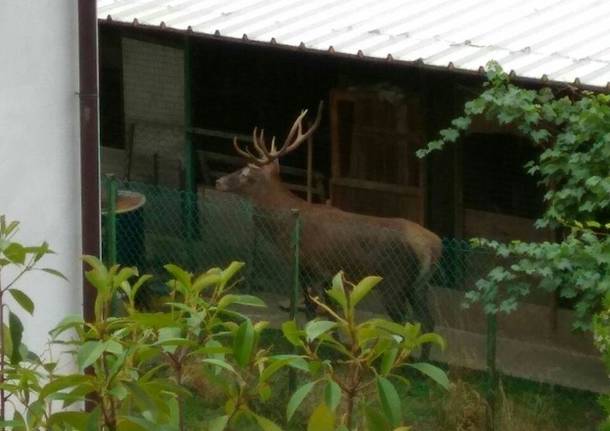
x: 190, y: 185
x: 492, y: 375
x: 296, y: 283
x: 111, y: 231
x: 111, y: 237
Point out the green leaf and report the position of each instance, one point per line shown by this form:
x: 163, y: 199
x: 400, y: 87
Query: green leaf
x: 389, y: 399
x: 297, y: 362
x: 23, y: 300
x: 54, y: 272
x: 70, y: 321
x: 219, y: 363
x: 433, y: 338
x: 322, y: 419
x: 8, y: 342
x: 142, y: 398
x: 316, y: 328
x: 88, y: 353
x: 375, y: 421
x: 266, y: 424
x: 337, y: 291
x: 94, y: 263
x: 291, y: 332
x: 179, y: 274
x: 250, y: 300
x: 206, y: 280
x: 363, y: 288
x: 63, y: 382
x: 16, y: 330
x: 332, y: 394
x: 134, y: 423
x: 93, y: 420
x: 139, y: 283
x: 15, y: 252
x: 387, y: 361
x: 219, y: 423
x: 274, y: 367
x: 168, y: 338
x: 243, y: 343
x: 230, y: 271
x: 435, y: 373
x: 297, y: 399
x: 77, y: 420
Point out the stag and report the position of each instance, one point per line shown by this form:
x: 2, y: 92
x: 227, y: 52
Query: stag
x: 401, y: 251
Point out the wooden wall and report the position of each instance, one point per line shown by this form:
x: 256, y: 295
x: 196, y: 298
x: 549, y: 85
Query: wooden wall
x: 237, y: 86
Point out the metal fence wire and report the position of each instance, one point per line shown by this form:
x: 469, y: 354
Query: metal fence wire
x: 153, y: 226
x: 157, y: 225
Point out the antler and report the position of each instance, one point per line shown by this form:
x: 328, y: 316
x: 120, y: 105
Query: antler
x: 293, y: 140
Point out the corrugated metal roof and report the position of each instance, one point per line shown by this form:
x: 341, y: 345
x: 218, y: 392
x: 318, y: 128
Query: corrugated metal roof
x: 558, y: 40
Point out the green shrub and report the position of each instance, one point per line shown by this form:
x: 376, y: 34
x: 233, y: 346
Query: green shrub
x: 367, y: 360
x: 132, y: 364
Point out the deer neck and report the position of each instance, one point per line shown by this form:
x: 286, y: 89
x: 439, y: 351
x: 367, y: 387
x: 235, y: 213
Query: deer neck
x: 275, y: 195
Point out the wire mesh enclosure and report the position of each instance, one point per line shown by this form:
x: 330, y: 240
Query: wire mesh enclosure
x: 156, y: 225
x: 199, y: 232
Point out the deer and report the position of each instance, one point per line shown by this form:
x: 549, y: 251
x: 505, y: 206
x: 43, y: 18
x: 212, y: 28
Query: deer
x: 403, y: 252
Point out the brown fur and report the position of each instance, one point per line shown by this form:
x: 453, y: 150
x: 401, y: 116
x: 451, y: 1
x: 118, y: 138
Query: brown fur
x: 334, y: 240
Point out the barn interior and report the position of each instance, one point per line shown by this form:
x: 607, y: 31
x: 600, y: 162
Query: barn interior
x: 376, y: 115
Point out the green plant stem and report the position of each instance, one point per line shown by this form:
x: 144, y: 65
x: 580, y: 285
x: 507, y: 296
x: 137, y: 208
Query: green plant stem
x: 107, y: 403
x: 177, y: 367
x: 27, y: 268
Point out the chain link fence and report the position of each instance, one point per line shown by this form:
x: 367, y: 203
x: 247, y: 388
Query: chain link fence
x: 157, y: 225
x: 154, y: 226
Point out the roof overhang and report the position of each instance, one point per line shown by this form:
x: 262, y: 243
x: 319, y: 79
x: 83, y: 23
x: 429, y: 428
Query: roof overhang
x: 541, y: 41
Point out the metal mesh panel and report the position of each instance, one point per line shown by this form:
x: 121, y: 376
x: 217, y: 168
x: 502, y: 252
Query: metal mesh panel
x: 198, y: 232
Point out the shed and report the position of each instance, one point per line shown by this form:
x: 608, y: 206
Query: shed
x: 394, y: 72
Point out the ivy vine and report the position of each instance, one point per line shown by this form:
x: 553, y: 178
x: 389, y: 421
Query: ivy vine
x: 571, y: 129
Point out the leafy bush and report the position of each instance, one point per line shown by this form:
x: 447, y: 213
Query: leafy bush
x: 367, y: 355
x: 571, y: 129
x: 132, y: 365
x: 21, y: 371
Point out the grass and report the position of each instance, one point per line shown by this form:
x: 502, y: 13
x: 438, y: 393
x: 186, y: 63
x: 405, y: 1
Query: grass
x: 522, y: 405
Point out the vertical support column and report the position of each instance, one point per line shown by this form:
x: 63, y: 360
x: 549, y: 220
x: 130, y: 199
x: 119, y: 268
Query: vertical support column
x: 189, y: 180
x: 296, y: 283
x: 190, y: 195
x: 492, y: 374
x: 111, y: 232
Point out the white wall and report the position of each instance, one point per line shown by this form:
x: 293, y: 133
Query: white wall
x: 39, y: 148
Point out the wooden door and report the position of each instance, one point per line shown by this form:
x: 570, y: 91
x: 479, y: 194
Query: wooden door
x: 374, y: 167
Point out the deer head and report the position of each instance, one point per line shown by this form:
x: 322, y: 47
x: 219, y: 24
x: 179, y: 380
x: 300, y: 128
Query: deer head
x: 262, y: 169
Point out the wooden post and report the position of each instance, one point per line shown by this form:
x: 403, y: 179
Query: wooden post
x: 309, y: 164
